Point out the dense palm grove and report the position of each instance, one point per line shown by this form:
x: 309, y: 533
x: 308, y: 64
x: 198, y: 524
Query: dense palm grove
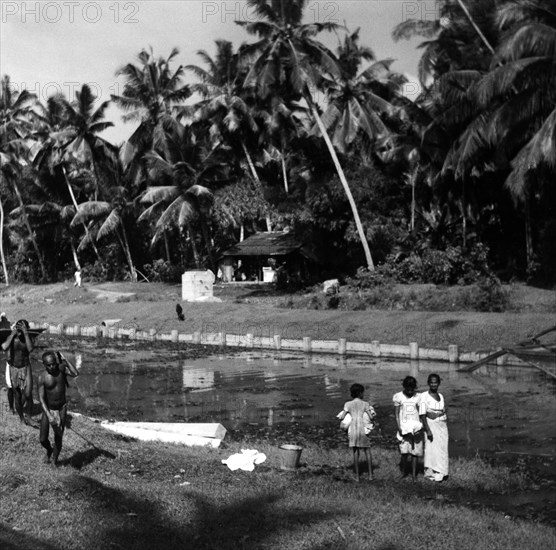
x: 284, y: 133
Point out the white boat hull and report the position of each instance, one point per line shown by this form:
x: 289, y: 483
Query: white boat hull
x: 179, y: 432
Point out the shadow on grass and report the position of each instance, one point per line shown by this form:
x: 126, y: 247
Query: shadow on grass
x: 16, y: 540
x: 84, y: 458
x: 121, y: 520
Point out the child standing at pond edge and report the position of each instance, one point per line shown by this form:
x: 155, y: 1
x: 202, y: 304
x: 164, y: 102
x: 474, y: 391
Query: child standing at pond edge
x: 361, y: 424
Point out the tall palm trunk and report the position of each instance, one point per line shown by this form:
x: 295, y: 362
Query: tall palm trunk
x: 74, y: 254
x: 256, y: 178
x: 30, y: 230
x: 475, y: 26
x: 206, y: 238
x: 193, y: 246
x: 284, y: 171
x: 413, y: 181
x: 166, y: 246
x: 342, y: 177
x: 92, y: 241
x: 127, y: 252
x: 529, y: 251
x: 4, y: 268
x: 464, y: 215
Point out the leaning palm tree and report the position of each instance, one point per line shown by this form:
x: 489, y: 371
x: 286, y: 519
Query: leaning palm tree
x: 357, y: 98
x: 288, y: 61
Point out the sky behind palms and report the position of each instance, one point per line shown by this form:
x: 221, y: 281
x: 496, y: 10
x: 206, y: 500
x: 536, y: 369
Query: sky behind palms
x: 52, y: 46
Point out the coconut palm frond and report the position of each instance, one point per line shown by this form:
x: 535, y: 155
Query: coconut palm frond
x: 86, y: 240
x: 187, y: 213
x: 540, y: 149
x: 90, y: 210
x: 162, y: 193
x: 506, y: 78
x: 151, y: 212
x: 67, y: 212
x: 110, y: 225
x: 532, y: 40
x: 170, y: 215
x: 415, y: 27
x: 200, y: 191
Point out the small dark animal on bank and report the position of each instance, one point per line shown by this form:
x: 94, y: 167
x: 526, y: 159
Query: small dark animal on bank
x: 179, y: 311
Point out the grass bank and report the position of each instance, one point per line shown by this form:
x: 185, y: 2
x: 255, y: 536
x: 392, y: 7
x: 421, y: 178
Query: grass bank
x: 252, y: 309
x: 113, y: 492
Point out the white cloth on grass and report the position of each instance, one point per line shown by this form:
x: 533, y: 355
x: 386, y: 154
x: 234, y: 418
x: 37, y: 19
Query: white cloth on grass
x: 245, y: 460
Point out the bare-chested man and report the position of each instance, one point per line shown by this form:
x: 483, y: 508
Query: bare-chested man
x: 52, y: 395
x: 18, y: 346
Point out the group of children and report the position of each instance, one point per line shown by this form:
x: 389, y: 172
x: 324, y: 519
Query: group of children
x: 18, y: 344
x: 417, y: 415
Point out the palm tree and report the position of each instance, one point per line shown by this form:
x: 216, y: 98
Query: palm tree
x: 107, y: 219
x: 356, y: 99
x: 69, y: 133
x: 281, y: 122
x: 81, y: 126
x: 512, y: 121
x: 288, y: 61
x: 224, y: 104
x: 461, y: 37
x: 16, y: 122
x: 151, y: 95
x: 186, y: 195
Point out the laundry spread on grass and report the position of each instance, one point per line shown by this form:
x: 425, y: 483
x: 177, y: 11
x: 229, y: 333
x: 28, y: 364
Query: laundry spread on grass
x: 245, y: 460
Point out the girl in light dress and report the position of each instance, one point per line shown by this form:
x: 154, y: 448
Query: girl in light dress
x: 360, y: 426
x: 408, y: 410
x: 435, y: 422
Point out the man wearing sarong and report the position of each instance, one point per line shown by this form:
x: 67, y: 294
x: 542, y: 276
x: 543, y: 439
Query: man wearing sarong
x: 52, y: 395
x: 18, y: 347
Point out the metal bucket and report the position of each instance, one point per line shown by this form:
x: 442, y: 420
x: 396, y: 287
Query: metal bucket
x: 289, y: 456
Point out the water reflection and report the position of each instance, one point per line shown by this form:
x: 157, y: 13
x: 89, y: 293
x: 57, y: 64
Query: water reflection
x: 496, y: 408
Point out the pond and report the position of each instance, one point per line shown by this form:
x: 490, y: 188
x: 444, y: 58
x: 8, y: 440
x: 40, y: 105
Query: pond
x: 496, y: 409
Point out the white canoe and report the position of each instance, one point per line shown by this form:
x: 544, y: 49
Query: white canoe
x: 171, y: 432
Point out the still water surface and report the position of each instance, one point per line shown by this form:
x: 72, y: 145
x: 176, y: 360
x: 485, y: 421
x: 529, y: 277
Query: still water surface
x: 496, y: 409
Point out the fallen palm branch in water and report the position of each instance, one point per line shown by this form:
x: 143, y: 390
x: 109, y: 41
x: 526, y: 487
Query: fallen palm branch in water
x: 525, y: 350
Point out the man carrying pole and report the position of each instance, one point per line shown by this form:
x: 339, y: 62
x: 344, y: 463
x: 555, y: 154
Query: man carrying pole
x: 52, y: 396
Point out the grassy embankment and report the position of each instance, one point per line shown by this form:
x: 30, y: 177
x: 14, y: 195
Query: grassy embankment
x: 112, y: 492
x: 115, y: 493
x: 250, y: 309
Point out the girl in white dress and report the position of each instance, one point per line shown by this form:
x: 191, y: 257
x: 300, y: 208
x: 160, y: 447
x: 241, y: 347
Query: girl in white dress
x: 435, y: 422
x: 410, y: 428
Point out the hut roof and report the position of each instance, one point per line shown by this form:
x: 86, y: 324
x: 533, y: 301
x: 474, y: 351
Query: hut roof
x: 275, y: 243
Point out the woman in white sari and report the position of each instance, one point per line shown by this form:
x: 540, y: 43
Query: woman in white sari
x: 435, y: 422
